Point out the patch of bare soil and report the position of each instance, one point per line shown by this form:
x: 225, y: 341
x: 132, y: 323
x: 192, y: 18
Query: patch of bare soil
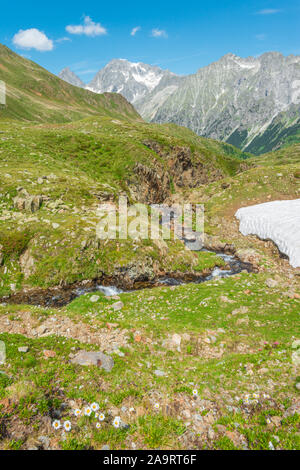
x: 25, y: 324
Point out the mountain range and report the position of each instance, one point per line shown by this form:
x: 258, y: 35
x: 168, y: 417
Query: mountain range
x: 252, y: 103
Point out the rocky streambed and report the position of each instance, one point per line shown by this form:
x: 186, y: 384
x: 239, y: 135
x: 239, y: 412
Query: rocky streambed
x: 59, y: 296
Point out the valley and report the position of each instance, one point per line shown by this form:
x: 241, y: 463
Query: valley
x: 208, y: 365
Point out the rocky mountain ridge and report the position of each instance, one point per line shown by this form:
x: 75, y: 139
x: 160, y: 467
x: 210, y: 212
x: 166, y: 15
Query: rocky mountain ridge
x: 252, y: 103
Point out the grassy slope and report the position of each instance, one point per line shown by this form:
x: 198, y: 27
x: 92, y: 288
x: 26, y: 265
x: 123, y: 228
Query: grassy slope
x: 34, y: 94
x: 88, y: 157
x: 92, y: 156
x: 287, y: 155
x: 251, y: 354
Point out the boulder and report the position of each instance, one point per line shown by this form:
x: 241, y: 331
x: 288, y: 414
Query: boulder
x: 173, y: 342
x: 248, y: 256
x: 27, y: 263
x: 19, y: 203
x: 93, y: 358
x: 28, y: 203
x: 271, y: 283
x: 117, y: 305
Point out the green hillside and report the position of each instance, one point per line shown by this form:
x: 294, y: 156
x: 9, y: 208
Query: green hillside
x: 289, y: 154
x: 34, y: 94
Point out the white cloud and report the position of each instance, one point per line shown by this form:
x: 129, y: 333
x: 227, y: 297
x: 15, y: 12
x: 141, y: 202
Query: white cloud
x: 269, y: 11
x: 135, y: 30
x: 32, y: 39
x: 63, y: 39
x: 88, y: 28
x: 159, y: 33
x: 261, y: 37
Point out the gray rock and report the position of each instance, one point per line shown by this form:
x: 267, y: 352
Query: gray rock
x: 94, y: 298
x: 23, y: 349
x: 45, y: 441
x: 271, y: 283
x: 117, y: 305
x: 105, y: 447
x: 159, y: 373
x: 29, y: 203
x: 173, y: 342
x: 292, y: 410
x: 41, y: 329
x: 27, y: 263
x: 93, y: 358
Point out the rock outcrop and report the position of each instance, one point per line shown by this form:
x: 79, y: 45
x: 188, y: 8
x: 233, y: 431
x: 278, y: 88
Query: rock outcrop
x: 176, y: 168
x: 25, y: 202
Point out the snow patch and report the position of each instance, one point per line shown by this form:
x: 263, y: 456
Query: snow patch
x: 150, y: 79
x: 278, y: 221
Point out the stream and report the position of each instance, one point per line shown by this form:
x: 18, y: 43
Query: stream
x: 64, y: 296
x: 60, y: 296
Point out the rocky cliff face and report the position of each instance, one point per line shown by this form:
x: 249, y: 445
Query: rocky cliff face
x: 181, y: 169
x: 252, y: 103
x: 239, y: 101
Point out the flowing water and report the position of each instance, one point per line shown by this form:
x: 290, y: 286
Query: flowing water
x: 60, y: 296
x: 235, y: 266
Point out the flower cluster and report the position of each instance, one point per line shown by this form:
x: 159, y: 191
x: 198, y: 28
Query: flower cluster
x: 254, y: 398
x: 87, y: 411
x: 66, y: 425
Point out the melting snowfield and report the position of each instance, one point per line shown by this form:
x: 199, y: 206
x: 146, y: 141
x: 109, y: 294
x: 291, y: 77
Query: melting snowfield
x: 278, y: 221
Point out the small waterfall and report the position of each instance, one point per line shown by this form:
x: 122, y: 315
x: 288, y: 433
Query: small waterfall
x: 109, y: 291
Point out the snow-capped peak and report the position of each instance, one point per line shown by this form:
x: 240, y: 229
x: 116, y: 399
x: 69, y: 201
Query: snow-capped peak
x: 134, y: 80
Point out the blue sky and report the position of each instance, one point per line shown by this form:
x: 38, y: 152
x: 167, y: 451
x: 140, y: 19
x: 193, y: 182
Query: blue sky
x: 180, y: 36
